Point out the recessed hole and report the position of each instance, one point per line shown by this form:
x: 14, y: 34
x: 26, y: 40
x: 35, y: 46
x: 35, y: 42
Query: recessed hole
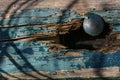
x: 78, y: 39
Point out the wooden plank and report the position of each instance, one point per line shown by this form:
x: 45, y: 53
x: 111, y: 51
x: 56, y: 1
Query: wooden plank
x: 53, y: 16
x: 14, y: 57
x: 77, y: 5
x: 81, y: 73
x: 29, y: 28
x: 40, y: 31
x: 38, y: 59
x: 39, y: 16
x: 45, y: 31
x: 27, y: 31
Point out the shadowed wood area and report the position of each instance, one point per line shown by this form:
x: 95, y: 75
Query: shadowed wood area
x: 44, y: 39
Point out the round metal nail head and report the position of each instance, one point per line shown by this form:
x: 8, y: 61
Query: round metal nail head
x: 93, y: 24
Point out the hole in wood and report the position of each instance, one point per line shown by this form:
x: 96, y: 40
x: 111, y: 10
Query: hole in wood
x: 78, y: 39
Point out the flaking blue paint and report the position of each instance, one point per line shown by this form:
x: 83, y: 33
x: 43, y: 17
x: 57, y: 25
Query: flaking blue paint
x: 26, y: 18
x: 110, y: 15
x: 39, y: 16
x: 17, y: 57
x: 47, y: 16
x: 116, y: 27
x: 20, y: 32
x: 37, y: 12
x: 49, y: 61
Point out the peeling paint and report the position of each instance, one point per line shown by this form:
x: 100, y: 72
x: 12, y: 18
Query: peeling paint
x: 24, y: 18
x: 46, y: 61
x: 26, y: 31
x: 39, y: 16
x: 22, y: 55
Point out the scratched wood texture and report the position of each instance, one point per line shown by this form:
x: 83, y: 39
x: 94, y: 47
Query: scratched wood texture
x: 29, y: 39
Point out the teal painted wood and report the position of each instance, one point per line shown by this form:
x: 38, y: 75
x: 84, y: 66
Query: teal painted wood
x: 116, y: 27
x: 20, y: 56
x: 25, y: 31
x: 31, y: 56
x: 40, y: 16
x: 38, y: 12
x: 111, y: 16
x: 47, y: 16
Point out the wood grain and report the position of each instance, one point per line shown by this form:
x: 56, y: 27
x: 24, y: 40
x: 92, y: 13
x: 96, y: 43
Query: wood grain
x: 77, y: 5
x: 29, y: 39
x: 82, y: 73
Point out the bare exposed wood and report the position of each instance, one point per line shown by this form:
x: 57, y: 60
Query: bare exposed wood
x: 82, y: 73
x: 79, y: 5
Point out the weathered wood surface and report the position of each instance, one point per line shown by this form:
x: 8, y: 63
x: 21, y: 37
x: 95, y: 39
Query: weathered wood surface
x: 28, y: 24
x: 77, y: 5
x: 29, y: 39
x: 25, y: 57
x: 84, y: 73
